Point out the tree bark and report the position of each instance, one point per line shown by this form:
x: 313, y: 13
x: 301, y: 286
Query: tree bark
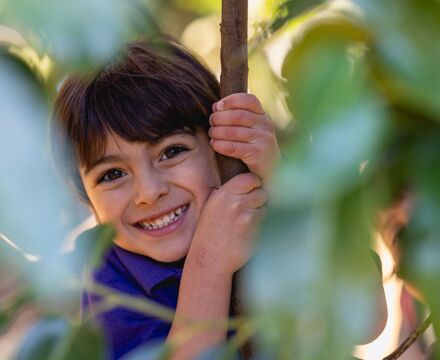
x: 233, y: 79
x: 234, y: 67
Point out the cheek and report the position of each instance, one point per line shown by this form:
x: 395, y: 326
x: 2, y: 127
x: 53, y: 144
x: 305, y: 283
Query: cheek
x: 207, y: 180
x: 108, y: 208
x: 199, y: 177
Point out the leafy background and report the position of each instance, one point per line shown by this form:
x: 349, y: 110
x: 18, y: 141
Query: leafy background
x: 353, y: 88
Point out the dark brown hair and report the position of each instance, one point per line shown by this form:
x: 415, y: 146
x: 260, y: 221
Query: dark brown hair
x: 150, y: 90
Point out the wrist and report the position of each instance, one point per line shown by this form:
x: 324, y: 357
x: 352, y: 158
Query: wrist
x: 206, y: 264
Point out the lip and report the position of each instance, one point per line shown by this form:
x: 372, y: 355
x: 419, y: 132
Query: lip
x: 166, y: 229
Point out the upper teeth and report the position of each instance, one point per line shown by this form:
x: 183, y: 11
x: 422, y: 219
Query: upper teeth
x: 163, y: 220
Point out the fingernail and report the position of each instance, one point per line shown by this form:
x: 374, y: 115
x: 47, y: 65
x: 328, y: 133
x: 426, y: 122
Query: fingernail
x: 220, y: 105
x: 210, y: 119
x: 211, y: 142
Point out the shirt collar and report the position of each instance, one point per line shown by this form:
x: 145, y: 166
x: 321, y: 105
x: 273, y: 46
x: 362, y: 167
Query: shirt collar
x: 146, y: 271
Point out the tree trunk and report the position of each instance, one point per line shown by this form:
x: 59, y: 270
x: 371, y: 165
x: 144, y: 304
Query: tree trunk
x: 234, y: 65
x: 233, y: 79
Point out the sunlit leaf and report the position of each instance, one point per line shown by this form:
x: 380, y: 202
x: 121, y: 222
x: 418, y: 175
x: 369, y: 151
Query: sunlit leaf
x: 201, y: 7
x: 270, y: 87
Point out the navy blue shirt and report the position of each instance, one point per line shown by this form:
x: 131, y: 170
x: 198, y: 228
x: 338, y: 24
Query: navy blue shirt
x: 138, y: 276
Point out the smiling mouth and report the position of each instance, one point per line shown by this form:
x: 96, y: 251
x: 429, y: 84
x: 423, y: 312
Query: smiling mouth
x: 164, y: 220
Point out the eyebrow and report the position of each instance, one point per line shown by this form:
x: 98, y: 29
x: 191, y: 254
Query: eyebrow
x: 102, y: 160
x: 115, y: 158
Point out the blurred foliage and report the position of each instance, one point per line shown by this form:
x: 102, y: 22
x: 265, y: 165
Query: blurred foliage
x: 360, y: 81
x: 75, y: 32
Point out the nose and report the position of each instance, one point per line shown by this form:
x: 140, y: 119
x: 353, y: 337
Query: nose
x: 150, y: 186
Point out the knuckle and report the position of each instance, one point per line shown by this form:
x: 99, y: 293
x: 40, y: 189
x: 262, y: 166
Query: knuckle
x: 213, y: 118
x: 212, y: 132
x: 231, y: 148
x: 230, y: 133
x: 237, y: 116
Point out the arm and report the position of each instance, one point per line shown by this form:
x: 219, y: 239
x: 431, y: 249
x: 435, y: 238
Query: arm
x: 217, y: 251
x: 240, y: 129
x: 203, y: 295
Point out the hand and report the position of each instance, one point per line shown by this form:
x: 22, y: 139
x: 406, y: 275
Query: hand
x: 223, y: 239
x: 241, y: 129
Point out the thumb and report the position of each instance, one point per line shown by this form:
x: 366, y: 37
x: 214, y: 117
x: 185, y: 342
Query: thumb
x: 242, y: 184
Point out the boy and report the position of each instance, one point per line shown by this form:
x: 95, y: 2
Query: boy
x: 142, y: 158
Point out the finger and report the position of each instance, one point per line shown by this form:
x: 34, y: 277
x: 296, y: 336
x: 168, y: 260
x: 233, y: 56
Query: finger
x: 238, y: 150
x: 234, y: 133
x: 239, y: 101
x: 239, y: 117
x: 242, y: 184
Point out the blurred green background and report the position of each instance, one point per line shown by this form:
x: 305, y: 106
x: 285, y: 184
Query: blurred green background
x: 353, y: 88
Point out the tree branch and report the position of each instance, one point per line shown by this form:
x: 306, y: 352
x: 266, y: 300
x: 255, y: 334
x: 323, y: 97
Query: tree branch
x: 409, y: 340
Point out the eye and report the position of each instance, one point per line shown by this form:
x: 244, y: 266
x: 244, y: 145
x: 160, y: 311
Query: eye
x: 173, y: 151
x: 111, y: 175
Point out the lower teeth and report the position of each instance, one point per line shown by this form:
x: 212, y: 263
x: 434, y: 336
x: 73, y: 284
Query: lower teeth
x: 155, y: 227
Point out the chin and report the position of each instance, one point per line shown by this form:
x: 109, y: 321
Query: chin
x: 169, y: 258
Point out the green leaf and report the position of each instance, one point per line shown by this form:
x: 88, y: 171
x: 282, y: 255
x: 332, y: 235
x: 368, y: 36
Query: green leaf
x: 83, y: 341
x: 313, y: 283
x: 12, y: 307
x: 420, y: 242
x: 42, y: 339
x: 92, y: 245
x: 34, y: 214
x: 78, y: 31
x: 326, y: 70
x: 23, y: 118
x: 290, y: 9
x: 406, y: 57
x: 341, y: 120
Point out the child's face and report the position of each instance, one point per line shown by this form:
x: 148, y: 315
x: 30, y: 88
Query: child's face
x: 153, y: 193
